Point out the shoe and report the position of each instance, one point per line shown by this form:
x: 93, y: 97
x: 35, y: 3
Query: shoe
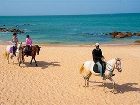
x: 113, y: 74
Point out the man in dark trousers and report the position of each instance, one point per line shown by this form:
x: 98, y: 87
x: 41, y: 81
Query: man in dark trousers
x: 97, y: 57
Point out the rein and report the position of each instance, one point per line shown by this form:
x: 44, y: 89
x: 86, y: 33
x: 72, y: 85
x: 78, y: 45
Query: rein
x: 111, y: 69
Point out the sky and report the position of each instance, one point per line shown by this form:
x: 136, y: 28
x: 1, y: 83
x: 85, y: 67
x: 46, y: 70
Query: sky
x: 67, y: 7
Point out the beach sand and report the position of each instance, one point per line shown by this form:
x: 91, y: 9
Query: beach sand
x: 56, y: 80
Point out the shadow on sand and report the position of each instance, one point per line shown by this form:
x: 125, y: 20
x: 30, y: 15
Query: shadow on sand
x: 127, y: 87
x: 42, y: 64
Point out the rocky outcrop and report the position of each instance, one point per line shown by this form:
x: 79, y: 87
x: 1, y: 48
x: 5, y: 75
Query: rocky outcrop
x: 11, y: 30
x: 137, y: 34
x: 137, y: 41
x: 123, y: 34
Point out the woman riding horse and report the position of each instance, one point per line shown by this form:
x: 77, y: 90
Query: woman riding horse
x: 15, y: 43
x: 28, y: 47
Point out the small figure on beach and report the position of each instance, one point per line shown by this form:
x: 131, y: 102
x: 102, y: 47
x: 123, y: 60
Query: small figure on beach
x: 28, y: 45
x: 15, y: 43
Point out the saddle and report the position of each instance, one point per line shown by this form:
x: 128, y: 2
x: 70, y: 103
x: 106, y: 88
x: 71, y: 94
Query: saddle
x: 27, y: 50
x: 95, y: 67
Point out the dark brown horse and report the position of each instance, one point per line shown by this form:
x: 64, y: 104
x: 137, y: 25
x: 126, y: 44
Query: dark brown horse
x: 34, y: 50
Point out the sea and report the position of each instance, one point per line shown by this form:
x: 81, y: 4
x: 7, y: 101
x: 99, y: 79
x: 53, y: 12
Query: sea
x: 72, y: 29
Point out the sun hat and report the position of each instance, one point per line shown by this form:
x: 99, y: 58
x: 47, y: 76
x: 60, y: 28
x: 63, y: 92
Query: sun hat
x: 97, y: 44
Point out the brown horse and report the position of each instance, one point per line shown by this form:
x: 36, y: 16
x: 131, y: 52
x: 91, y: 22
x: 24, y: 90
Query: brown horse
x: 34, y: 50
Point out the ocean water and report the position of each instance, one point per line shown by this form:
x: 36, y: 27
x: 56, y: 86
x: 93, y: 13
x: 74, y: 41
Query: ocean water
x: 72, y: 29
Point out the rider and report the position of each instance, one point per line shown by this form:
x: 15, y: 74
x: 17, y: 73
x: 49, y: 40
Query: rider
x: 97, y: 57
x: 28, y: 44
x: 15, y: 43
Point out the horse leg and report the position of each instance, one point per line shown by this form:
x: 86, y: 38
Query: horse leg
x: 85, y: 82
x: 35, y: 61
x: 19, y: 60
x: 8, y: 57
x: 31, y: 60
x: 104, y: 83
x: 20, y: 57
x: 89, y: 75
x: 113, y: 84
x: 13, y: 60
x: 88, y: 82
x: 23, y: 60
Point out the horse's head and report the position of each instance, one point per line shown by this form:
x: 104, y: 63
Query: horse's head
x: 37, y: 49
x: 118, y: 64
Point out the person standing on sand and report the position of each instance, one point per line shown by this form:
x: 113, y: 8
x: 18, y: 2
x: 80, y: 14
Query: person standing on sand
x: 15, y: 43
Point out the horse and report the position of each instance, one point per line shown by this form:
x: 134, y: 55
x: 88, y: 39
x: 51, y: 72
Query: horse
x: 34, y: 50
x: 87, y: 70
x: 9, y: 52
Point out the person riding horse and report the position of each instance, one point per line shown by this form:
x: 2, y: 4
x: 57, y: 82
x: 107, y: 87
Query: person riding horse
x: 28, y: 47
x: 15, y: 43
x: 98, y: 59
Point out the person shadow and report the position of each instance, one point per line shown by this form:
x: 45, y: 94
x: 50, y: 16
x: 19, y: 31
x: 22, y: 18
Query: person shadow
x: 126, y: 87
x: 42, y: 64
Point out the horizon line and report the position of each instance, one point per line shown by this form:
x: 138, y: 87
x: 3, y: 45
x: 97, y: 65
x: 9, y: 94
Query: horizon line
x: 75, y: 14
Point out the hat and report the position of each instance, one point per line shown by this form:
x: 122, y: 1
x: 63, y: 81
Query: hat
x: 97, y: 44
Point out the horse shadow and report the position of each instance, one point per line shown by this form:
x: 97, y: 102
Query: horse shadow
x: 42, y: 64
x: 127, y: 87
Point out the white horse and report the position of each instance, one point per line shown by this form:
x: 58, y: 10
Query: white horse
x: 9, y: 53
x: 111, y: 65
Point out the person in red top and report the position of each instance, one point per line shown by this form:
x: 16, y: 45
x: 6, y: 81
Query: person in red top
x: 28, y: 40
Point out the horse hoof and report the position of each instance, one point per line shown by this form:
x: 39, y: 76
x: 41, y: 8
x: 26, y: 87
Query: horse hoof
x: 105, y: 91
x: 36, y: 65
x: 19, y: 63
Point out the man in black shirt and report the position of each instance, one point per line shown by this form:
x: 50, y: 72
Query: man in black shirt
x: 97, y: 57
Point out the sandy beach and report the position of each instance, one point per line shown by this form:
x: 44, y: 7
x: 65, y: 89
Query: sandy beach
x: 57, y: 81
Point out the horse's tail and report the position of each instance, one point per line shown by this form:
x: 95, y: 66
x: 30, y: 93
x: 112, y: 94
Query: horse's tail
x: 5, y: 54
x: 82, y: 68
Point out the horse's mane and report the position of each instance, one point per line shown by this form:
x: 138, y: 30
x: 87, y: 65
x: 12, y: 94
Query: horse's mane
x: 111, y: 61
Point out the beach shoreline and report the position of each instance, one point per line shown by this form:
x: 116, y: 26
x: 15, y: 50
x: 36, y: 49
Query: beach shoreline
x: 58, y: 80
x: 79, y: 45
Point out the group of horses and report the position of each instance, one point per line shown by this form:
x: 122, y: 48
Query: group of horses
x: 86, y: 69
x: 21, y: 54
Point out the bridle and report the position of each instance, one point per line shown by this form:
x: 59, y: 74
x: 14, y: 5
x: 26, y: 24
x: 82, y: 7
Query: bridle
x: 116, y: 66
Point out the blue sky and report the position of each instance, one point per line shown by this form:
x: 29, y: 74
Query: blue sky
x: 67, y: 7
